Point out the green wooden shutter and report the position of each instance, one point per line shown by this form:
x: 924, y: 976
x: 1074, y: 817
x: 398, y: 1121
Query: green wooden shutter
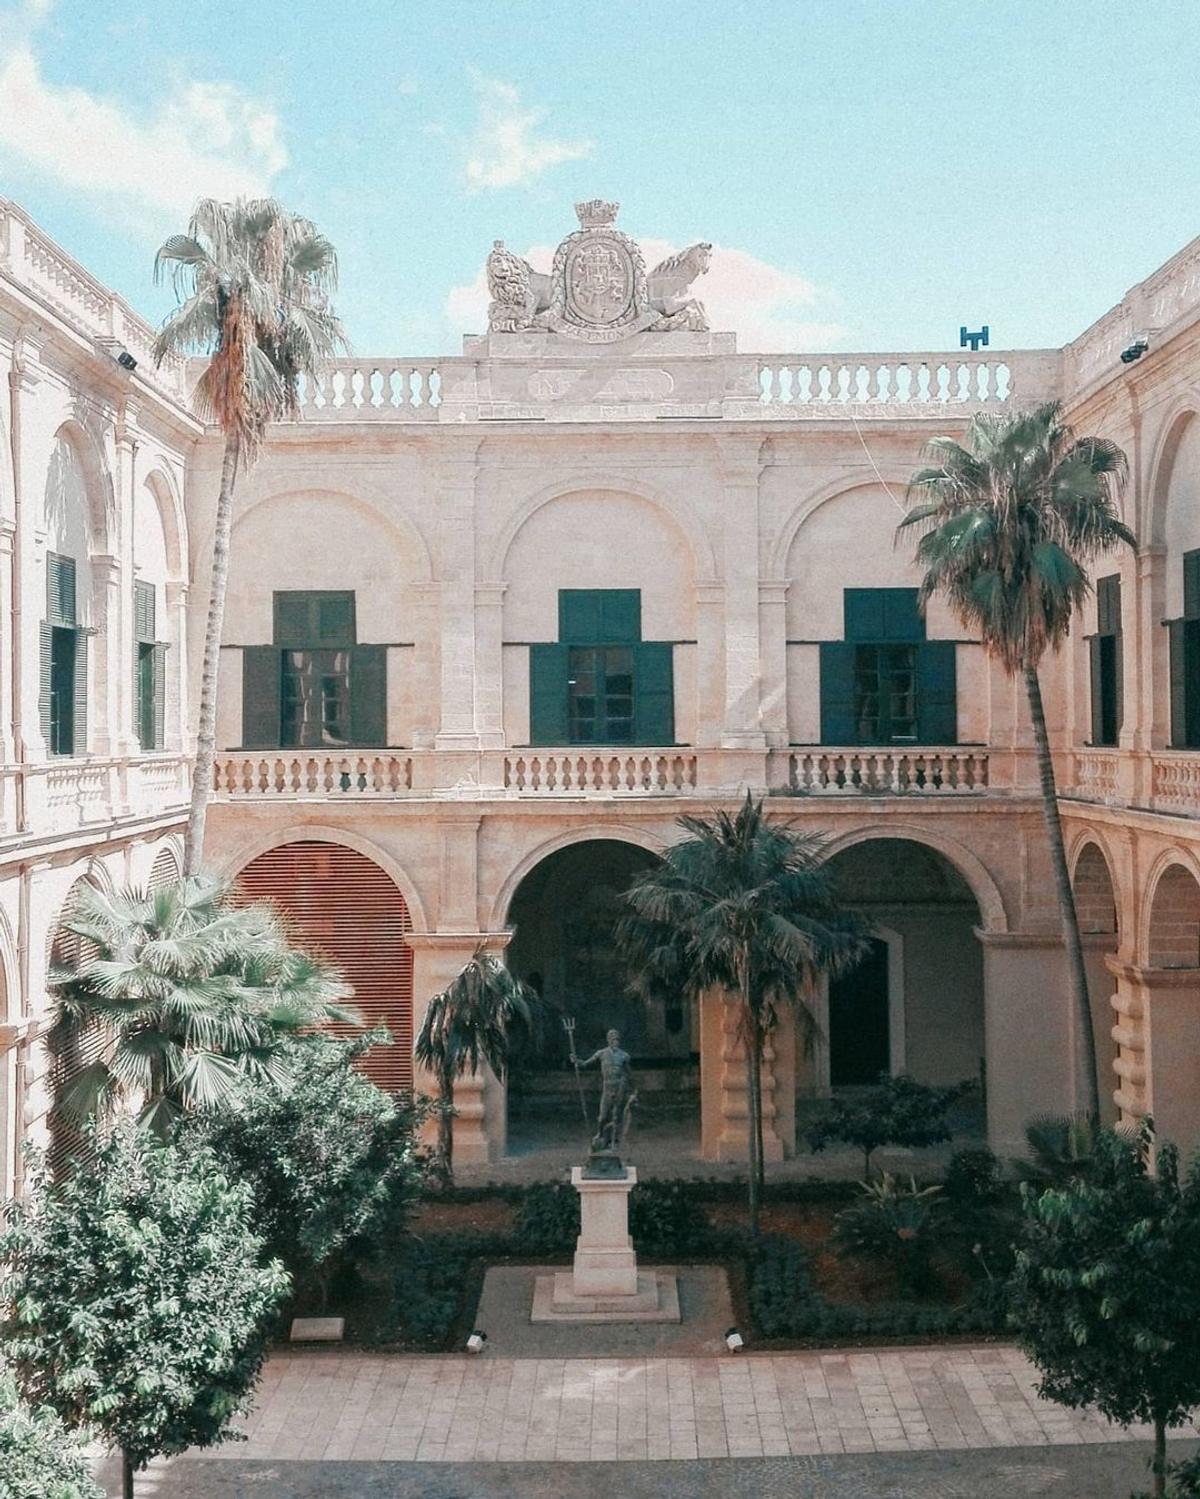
x: 334, y: 618
x: 293, y: 623
x: 1191, y: 585
x: 548, y: 693
x: 260, y: 696
x: 1096, y: 686
x: 60, y: 590
x: 368, y: 695
x: 621, y: 617
x: 45, y: 637
x: 654, y: 693
x: 1108, y: 605
x: 863, y: 613
x: 1118, y: 685
x: 579, y: 616
x: 937, y: 692
x: 837, y: 691
x: 79, y: 727
x: 144, y: 623
x: 160, y: 695
x: 1177, y: 645
x: 902, y: 619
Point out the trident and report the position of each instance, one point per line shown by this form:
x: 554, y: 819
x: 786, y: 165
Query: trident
x: 569, y: 1026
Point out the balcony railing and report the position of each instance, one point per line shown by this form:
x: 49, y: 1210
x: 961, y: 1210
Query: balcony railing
x: 271, y: 775
x: 888, y: 772
x: 1095, y: 778
x: 66, y: 795
x: 1175, y: 781
x: 570, y: 774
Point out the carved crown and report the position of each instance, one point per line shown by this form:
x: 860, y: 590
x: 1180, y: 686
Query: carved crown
x: 596, y: 213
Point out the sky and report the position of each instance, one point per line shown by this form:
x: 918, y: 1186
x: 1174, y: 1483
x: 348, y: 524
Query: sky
x: 872, y: 173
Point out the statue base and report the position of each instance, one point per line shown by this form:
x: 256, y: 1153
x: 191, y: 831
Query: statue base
x: 604, y: 1284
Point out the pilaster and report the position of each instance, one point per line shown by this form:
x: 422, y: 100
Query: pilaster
x: 456, y: 477
x: 1159, y: 1049
x: 740, y: 469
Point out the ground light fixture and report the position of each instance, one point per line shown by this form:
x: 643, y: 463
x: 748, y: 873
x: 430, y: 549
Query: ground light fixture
x: 734, y: 1340
x: 476, y: 1341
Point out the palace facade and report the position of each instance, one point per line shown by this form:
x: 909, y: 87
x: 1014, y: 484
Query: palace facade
x: 495, y: 621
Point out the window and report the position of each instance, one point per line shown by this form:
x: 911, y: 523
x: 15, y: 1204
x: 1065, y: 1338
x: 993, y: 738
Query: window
x: 62, y: 691
x: 600, y: 682
x: 149, y: 668
x: 1104, y: 662
x: 315, y: 687
x: 884, y: 683
x: 1183, y: 637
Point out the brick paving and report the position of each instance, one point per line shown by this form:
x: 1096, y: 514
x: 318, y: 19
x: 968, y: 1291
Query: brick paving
x: 356, y: 1407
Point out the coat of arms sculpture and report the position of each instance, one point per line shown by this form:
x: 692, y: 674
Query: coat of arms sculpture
x: 598, y: 289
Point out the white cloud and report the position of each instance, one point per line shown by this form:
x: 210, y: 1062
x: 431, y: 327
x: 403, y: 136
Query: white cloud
x: 769, y: 309
x: 200, y: 140
x: 505, y: 149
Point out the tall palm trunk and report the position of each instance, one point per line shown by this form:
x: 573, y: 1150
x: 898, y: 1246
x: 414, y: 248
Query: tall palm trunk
x: 446, y: 1128
x: 753, y: 1091
x: 206, y: 724
x: 1076, y: 972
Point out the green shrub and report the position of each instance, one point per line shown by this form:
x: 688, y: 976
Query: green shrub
x: 664, y: 1219
x: 39, y: 1457
x: 894, y: 1225
x: 547, y: 1219
x: 973, y: 1176
x: 900, y: 1111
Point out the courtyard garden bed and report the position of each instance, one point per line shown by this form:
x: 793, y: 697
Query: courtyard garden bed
x: 798, y: 1283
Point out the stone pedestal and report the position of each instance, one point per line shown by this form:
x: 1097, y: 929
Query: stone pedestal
x: 605, y: 1284
x: 605, y: 1264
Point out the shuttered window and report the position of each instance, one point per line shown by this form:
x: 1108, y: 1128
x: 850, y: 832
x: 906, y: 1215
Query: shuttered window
x: 1183, y: 642
x: 600, y: 683
x: 315, y: 687
x: 346, y: 908
x: 885, y: 683
x: 1104, y: 663
x: 63, y: 669
x: 149, y: 668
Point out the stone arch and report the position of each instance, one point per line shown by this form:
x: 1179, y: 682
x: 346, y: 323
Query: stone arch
x: 343, y: 905
x: 685, y: 519
x: 165, y: 870
x: 1173, y: 921
x: 174, y: 525
x: 97, y: 481
x: 1094, y: 887
x: 1171, y: 434
x: 968, y: 864
x: 890, y: 476
x: 616, y: 832
x: 403, y: 530
x: 231, y: 863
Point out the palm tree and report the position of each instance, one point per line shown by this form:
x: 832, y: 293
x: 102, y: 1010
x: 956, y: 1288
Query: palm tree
x: 1011, y: 518
x: 254, y: 282
x: 180, y: 993
x: 467, y: 1025
x: 744, y: 904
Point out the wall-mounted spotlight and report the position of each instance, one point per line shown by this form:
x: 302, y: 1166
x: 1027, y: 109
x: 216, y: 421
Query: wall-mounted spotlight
x: 126, y: 360
x: 1136, y: 349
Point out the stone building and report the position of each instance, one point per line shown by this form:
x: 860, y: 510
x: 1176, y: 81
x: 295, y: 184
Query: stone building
x: 496, y: 620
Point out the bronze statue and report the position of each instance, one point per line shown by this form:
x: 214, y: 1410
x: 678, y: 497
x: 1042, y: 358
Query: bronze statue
x: 616, y: 1092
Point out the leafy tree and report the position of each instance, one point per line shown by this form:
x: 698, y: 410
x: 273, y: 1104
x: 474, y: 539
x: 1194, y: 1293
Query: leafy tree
x: 742, y: 903
x: 183, y: 992
x: 899, y: 1111
x: 138, y: 1302
x: 332, y: 1160
x: 39, y: 1458
x: 1011, y: 519
x: 254, y: 283
x: 468, y: 1025
x: 1105, y: 1293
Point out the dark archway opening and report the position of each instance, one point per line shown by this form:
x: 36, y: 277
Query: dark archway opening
x: 564, y: 916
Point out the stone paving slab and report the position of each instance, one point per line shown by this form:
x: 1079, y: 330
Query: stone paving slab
x: 357, y: 1407
x: 1081, y: 1472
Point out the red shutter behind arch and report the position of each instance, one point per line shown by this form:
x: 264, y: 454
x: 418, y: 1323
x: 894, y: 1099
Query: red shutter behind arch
x: 344, y: 907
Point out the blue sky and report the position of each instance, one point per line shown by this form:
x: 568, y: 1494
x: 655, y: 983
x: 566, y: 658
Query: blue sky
x: 872, y: 174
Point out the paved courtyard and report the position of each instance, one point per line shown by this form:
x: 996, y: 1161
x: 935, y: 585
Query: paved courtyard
x: 922, y: 1420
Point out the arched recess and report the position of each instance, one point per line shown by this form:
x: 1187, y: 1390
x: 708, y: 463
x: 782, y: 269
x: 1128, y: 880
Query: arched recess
x: 340, y: 904
x: 1095, y: 890
x: 1173, y: 927
x: 1172, y: 432
x: 73, y: 437
x: 890, y: 476
x: 687, y: 522
x: 68, y: 1056
x: 1099, y: 924
x: 165, y: 871
x: 617, y: 832
x: 968, y: 864
x: 401, y: 533
x: 160, y: 485
x: 1175, y: 502
x: 10, y: 1099
x: 916, y: 1001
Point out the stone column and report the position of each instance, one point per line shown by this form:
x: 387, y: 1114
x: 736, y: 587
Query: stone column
x: 105, y: 736
x: 489, y: 663
x: 740, y: 468
x: 480, y: 1101
x: 177, y: 713
x: 772, y: 613
x: 456, y: 473
x: 725, y: 1085
x: 710, y: 659
x: 1028, y: 1034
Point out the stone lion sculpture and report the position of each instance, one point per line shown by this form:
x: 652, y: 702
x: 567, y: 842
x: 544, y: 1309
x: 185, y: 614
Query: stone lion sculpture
x: 667, y: 285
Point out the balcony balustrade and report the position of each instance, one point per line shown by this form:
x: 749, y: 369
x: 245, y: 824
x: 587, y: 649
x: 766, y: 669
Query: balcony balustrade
x: 69, y: 795
x: 888, y: 772
x: 1175, y: 781
x: 573, y: 774
x: 304, y: 774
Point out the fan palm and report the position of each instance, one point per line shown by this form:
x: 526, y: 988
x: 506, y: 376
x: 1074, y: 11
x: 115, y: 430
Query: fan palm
x: 179, y: 994
x: 744, y: 904
x: 1011, y: 518
x: 254, y: 283
x: 470, y: 1023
